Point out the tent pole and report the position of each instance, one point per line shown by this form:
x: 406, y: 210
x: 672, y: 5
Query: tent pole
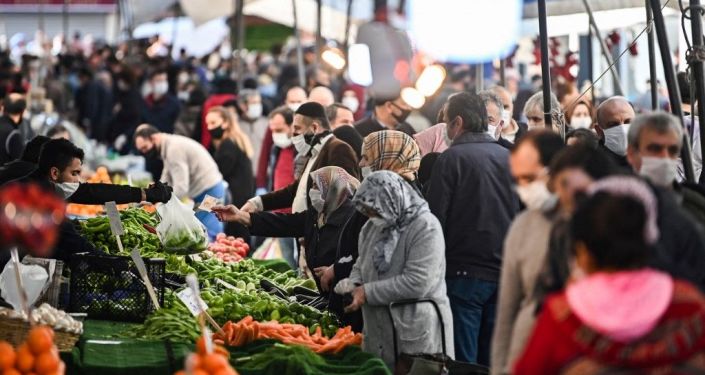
x: 545, y: 64
x: 605, y: 51
x: 652, y: 60
x: 591, y: 73
x: 299, y: 51
x: 65, y: 19
x: 696, y: 25
x: 479, y: 77
x: 674, y: 94
x: 240, y: 44
x: 348, y: 16
x: 502, y: 72
x: 319, y: 23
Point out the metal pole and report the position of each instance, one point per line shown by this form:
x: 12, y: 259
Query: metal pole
x: 240, y: 44
x: 41, y: 16
x: 674, y: 94
x: 502, y: 72
x: 348, y: 16
x: 319, y: 23
x: 605, y: 51
x: 696, y: 65
x: 299, y: 51
x: 591, y: 73
x: 545, y: 68
x: 65, y: 19
x: 479, y: 77
x: 652, y: 59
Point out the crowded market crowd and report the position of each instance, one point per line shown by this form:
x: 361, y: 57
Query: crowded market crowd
x: 576, y: 248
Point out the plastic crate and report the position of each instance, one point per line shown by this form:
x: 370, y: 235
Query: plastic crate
x: 110, y: 288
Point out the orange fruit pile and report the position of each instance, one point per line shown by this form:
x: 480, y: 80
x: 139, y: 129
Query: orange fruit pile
x: 202, y: 363
x: 37, y: 355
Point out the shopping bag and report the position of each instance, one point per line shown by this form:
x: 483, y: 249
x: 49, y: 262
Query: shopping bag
x: 179, y: 230
x: 270, y: 249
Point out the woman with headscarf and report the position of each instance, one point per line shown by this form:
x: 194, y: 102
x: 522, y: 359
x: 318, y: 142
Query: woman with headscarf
x: 394, y: 151
x: 402, y: 257
x: 616, y: 314
x: 323, y: 227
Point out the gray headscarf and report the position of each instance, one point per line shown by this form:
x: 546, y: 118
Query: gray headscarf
x: 396, y: 203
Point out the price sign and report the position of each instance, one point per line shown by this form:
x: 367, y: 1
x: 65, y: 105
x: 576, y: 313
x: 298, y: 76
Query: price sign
x: 194, y: 304
x: 114, y: 217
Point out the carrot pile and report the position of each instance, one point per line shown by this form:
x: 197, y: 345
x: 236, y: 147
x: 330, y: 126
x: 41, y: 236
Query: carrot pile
x: 248, y: 330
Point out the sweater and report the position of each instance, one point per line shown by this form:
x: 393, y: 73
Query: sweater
x: 524, y: 256
x: 188, y: 167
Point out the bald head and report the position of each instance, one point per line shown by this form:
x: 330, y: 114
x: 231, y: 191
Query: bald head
x: 295, y: 96
x: 322, y: 95
x: 614, y: 111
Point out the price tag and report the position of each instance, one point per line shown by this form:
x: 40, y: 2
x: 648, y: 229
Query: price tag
x: 114, y: 217
x: 192, y: 302
x: 208, y: 203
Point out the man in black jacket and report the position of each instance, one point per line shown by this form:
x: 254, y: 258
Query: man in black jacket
x: 614, y: 116
x: 11, y: 139
x: 388, y: 114
x: 26, y: 164
x: 471, y: 195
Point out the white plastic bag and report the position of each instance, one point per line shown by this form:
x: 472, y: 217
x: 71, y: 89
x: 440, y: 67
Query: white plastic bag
x: 179, y: 229
x: 34, y: 278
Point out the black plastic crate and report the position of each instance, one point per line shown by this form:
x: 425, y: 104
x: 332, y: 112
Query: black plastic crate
x: 110, y: 288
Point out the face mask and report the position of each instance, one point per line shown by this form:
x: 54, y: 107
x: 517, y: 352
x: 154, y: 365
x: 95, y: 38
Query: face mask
x: 506, y: 117
x: 152, y: 154
x: 660, y: 171
x: 446, y: 134
x: 122, y: 86
x: 616, y: 139
x: 254, y: 110
x: 366, y: 171
x: 67, y: 188
x: 352, y: 103
x: 281, y: 140
x: 184, y: 96
x: 403, y: 116
x: 492, y: 131
x: 15, y: 107
x: 378, y: 222
x: 300, y: 144
x: 294, y: 106
x: 580, y: 122
x: 183, y: 78
x: 160, y: 88
x: 534, y: 195
x: 217, y: 133
x: 316, y: 200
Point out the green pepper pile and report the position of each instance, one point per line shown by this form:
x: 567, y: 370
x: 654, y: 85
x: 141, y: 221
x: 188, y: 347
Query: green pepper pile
x: 175, y: 322
x: 97, y: 232
x: 248, y: 272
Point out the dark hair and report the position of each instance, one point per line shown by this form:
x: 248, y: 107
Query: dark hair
x: 58, y: 153
x: 592, y: 160
x: 332, y: 111
x: 156, y: 73
x: 684, y: 86
x: 546, y: 142
x: 145, y: 131
x: 426, y: 166
x: 34, y: 148
x: 56, y: 129
x: 470, y: 108
x: 584, y: 136
x: 612, y: 228
x: 284, y: 112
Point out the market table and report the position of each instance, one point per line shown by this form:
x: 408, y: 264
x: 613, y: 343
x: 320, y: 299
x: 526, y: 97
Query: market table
x: 101, y: 351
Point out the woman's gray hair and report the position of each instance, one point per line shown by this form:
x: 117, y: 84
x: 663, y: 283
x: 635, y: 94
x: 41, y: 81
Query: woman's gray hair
x: 659, y: 121
x: 536, y: 100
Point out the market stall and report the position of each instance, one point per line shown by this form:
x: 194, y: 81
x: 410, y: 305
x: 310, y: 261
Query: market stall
x: 130, y: 309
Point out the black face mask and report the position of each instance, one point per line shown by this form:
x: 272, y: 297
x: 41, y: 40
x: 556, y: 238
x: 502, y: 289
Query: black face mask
x: 152, y: 154
x: 217, y: 133
x: 15, y: 107
x: 308, y: 137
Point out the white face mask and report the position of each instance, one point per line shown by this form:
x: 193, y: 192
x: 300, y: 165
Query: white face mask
x: 492, y: 130
x: 660, y: 171
x: 160, y: 88
x: 352, y: 103
x: 580, y: 122
x: 446, y: 137
x: 316, y: 200
x: 506, y: 117
x: 294, y: 106
x: 67, y: 188
x: 183, y: 96
x: 254, y: 110
x: 616, y: 139
x: 281, y: 140
x: 366, y: 171
x: 535, y: 195
x: 300, y: 144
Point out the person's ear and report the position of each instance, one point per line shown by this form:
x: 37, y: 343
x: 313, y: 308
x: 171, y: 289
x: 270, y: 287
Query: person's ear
x: 54, y: 173
x: 583, y: 258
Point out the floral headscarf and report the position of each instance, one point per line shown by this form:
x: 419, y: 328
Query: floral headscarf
x: 394, y: 151
x: 336, y: 186
x: 397, y: 204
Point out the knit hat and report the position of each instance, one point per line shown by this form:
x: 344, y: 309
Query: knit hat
x: 311, y: 109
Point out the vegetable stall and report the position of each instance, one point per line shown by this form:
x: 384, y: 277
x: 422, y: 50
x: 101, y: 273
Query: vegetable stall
x: 140, y: 315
